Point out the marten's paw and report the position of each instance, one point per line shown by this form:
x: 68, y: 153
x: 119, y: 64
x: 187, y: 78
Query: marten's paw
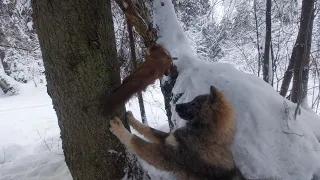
x: 118, y: 129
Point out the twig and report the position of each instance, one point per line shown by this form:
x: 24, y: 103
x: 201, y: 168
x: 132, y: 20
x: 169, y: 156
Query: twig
x: 43, y: 139
x: 142, y: 26
x: 293, y: 133
x: 15, y: 47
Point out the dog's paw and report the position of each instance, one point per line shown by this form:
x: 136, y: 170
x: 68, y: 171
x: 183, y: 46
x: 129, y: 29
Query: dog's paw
x: 129, y: 114
x: 116, y: 126
x: 118, y: 129
x: 130, y: 118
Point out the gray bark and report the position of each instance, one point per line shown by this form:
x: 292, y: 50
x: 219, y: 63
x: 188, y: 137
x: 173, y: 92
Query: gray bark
x: 78, y: 48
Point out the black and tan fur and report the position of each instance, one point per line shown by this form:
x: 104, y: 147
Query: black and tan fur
x: 198, y: 151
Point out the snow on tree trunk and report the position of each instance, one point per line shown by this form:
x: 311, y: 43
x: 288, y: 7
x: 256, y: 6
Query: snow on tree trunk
x: 172, y: 36
x: 5, y: 85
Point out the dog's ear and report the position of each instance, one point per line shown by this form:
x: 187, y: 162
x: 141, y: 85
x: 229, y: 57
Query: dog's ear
x: 213, y: 94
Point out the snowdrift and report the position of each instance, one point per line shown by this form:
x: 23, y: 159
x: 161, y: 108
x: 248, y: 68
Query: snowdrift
x: 269, y: 142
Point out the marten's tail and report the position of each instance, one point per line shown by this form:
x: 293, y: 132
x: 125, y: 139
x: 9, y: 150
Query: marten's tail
x: 121, y: 95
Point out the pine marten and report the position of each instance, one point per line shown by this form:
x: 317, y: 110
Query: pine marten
x: 157, y: 63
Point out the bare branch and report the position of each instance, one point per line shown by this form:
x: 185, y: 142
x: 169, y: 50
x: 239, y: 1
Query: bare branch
x: 142, y: 26
x: 20, y: 48
x: 43, y: 139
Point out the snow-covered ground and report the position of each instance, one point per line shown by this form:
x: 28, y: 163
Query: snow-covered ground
x: 30, y: 144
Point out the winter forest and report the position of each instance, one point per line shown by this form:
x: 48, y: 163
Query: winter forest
x: 59, y: 59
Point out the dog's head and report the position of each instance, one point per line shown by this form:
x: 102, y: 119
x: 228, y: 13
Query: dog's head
x: 203, y: 107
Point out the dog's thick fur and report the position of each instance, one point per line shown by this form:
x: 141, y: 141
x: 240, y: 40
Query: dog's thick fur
x: 157, y: 63
x: 198, y: 151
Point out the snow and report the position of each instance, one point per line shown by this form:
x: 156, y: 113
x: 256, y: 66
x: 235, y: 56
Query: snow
x: 30, y: 144
x: 269, y: 142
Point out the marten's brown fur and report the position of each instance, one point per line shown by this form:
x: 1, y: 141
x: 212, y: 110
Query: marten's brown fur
x: 157, y: 62
x: 198, y: 151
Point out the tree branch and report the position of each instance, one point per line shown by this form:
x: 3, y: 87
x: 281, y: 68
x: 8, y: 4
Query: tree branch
x: 142, y: 26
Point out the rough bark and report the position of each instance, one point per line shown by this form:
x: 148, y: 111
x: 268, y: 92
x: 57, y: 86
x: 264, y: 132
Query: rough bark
x: 134, y: 63
x: 78, y: 48
x: 302, y: 54
x: 266, y: 58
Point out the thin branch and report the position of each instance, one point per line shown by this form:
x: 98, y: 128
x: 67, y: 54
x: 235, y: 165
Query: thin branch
x: 43, y: 139
x: 142, y: 26
x: 20, y: 48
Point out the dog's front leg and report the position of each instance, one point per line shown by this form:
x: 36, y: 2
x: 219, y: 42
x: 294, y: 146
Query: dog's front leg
x: 159, y: 155
x: 152, y: 134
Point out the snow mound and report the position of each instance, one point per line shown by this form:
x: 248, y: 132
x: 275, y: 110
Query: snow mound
x: 269, y: 142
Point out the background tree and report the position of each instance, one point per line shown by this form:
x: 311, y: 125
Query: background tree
x: 267, y: 76
x: 18, y: 40
x: 302, y: 53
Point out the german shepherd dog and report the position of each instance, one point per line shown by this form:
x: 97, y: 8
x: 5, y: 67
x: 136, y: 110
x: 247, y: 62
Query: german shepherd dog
x: 198, y: 151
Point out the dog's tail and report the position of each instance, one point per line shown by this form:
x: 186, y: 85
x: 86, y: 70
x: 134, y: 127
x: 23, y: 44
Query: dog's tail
x: 121, y: 95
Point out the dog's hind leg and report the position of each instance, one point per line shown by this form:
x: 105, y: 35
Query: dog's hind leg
x: 152, y: 134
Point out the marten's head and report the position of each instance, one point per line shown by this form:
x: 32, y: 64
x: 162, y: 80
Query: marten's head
x: 161, y: 55
x: 157, y: 50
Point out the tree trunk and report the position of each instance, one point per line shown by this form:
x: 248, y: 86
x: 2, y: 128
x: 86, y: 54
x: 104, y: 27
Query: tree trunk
x: 302, y: 54
x: 257, y: 34
x: 288, y: 74
x: 166, y: 89
x: 79, y: 52
x: 134, y: 62
x: 5, y: 64
x: 5, y: 86
x: 266, y: 64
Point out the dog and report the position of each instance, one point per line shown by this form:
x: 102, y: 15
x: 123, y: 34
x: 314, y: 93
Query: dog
x: 198, y: 151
